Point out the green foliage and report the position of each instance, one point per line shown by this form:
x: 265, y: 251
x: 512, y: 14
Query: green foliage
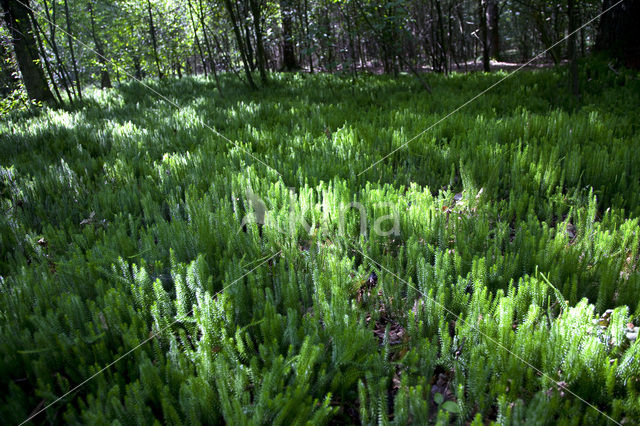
x: 122, y: 219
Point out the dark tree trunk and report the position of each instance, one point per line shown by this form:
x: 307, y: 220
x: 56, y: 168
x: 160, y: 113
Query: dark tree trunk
x: 247, y: 38
x: 463, y: 41
x: 289, y: 62
x: 583, y: 40
x: 309, y: 41
x: 619, y: 32
x: 256, y: 11
x: 71, y: 50
x: 105, y: 79
x: 137, y: 67
x: 37, y: 31
x: 327, y: 39
x: 493, y: 21
x: 16, y: 18
x: 572, y: 50
x: 482, y: 12
x: 9, y: 80
x: 154, y: 42
x: 352, y: 49
x: 546, y: 36
x: 441, y: 40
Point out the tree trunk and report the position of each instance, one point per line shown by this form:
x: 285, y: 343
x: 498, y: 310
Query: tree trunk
x: 37, y: 31
x: 226, y: 57
x: 619, y: 32
x: 137, y: 67
x: 413, y: 69
x: 62, y: 70
x: 239, y: 40
x: 326, y: 40
x: 547, y: 39
x: 105, y: 79
x: 197, y: 39
x: 572, y: 51
x: 441, y: 40
x: 16, y: 18
x: 9, y: 80
x: 201, y: 16
x: 247, y: 38
x: 154, y: 42
x: 308, y: 41
x: 463, y: 41
x: 289, y: 62
x: 352, y: 49
x: 482, y: 12
x: 71, y: 50
x: 256, y: 11
x: 493, y: 20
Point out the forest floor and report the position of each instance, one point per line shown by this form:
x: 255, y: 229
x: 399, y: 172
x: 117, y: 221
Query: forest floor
x: 294, y: 271
x: 469, y: 66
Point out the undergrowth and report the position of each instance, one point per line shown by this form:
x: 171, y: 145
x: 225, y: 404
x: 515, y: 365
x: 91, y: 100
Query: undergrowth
x: 508, y: 294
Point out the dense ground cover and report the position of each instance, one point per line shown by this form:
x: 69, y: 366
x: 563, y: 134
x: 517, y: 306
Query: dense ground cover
x: 518, y: 230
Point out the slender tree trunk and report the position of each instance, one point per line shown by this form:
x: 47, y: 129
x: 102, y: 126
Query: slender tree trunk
x: 226, y: 57
x: 207, y: 43
x: 249, y: 47
x: 441, y: 39
x: 582, y: 34
x: 431, y: 40
x: 327, y: 39
x: 546, y: 39
x: 197, y: 39
x: 482, y: 12
x: 37, y: 31
x: 453, y: 56
x: 573, y: 64
x: 256, y: 11
x: 308, y: 41
x: 413, y: 70
x: 17, y: 20
x: 71, y: 50
x: 352, y: 48
x: 239, y: 40
x: 62, y: 70
x: 463, y: 41
x: 137, y: 67
x: 289, y: 62
x: 493, y: 21
x: 154, y: 42
x: 105, y: 79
